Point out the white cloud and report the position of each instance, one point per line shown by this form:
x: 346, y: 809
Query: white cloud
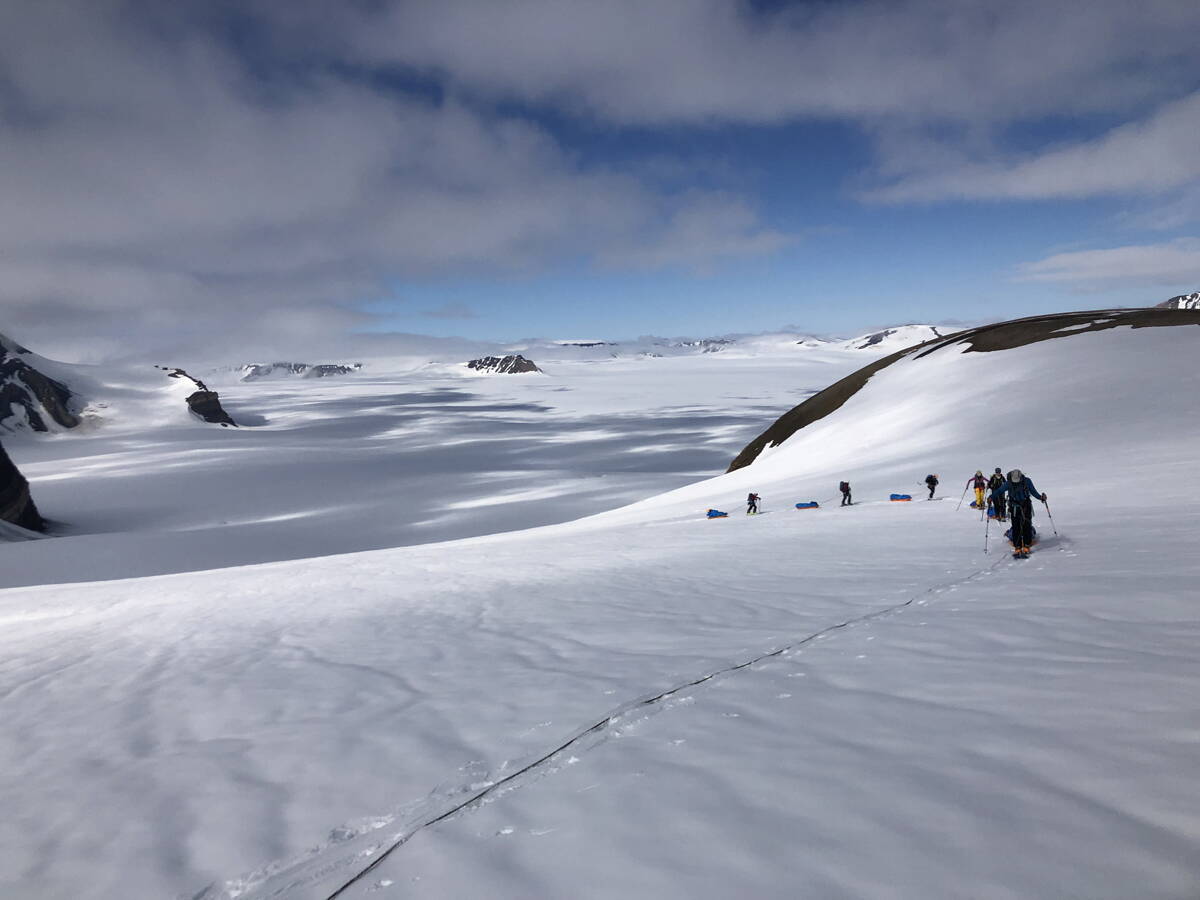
x: 696, y: 233
x: 1171, y: 264
x: 1155, y: 154
x: 450, y: 311
x: 159, y: 193
x: 719, y: 60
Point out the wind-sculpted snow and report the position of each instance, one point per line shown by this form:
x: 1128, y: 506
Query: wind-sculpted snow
x: 979, y: 727
x: 985, y: 339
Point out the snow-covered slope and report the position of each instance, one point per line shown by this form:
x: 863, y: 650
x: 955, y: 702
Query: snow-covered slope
x: 891, y: 713
x: 890, y: 340
x: 991, y: 338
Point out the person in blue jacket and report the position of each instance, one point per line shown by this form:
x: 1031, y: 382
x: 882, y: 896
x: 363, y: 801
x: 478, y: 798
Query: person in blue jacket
x: 1020, y: 492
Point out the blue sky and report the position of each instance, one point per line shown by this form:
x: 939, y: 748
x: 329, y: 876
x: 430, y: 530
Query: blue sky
x: 271, y: 177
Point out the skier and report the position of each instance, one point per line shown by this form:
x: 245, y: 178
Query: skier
x: 752, y: 504
x: 997, y: 502
x: 978, y: 482
x: 844, y: 487
x: 1020, y: 491
x: 932, y: 482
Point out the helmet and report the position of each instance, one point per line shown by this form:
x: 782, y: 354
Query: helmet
x: 998, y: 472
x: 979, y: 471
x: 1015, y: 475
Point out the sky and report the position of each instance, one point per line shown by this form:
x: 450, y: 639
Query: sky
x: 295, y: 177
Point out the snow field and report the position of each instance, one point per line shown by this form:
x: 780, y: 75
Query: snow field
x: 379, y: 460
x: 1019, y: 729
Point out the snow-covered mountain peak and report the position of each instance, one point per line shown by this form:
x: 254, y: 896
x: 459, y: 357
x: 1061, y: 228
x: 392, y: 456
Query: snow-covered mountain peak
x: 891, y: 339
x: 1183, y: 301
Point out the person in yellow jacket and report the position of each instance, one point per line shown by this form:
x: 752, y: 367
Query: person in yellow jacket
x: 980, y: 484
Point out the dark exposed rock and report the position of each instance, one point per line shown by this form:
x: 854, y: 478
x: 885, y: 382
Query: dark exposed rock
x: 16, y: 504
x: 514, y: 364
x: 203, y: 403
x: 1183, y: 301
x: 985, y: 339
x: 23, y: 385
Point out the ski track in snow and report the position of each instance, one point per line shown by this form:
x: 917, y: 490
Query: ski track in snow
x: 583, y: 740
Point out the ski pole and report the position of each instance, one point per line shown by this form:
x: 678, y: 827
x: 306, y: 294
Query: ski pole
x: 962, y: 498
x: 986, y: 529
x: 1047, y: 505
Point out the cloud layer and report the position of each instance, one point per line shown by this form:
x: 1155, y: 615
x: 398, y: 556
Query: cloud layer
x: 247, y: 174
x: 1171, y: 264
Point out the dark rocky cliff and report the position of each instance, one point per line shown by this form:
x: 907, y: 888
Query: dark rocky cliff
x: 16, y: 504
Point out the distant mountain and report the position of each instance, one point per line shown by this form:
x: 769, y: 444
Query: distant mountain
x: 258, y: 371
x: 16, y: 504
x: 893, y: 338
x: 30, y: 398
x: 707, y: 345
x: 513, y: 364
x: 888, y: 340
x: 1183, y: 301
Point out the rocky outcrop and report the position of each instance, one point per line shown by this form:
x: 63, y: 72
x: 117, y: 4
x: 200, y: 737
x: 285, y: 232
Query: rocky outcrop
x: 16, y: 504
x: 36, y: 399
x: 202, y: 402
x: 1183, y: 301
x: 985, y: 339
x: 326, y: 370
x: 513, y: 364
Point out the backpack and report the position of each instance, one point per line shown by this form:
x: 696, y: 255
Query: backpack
x: 1018, y: 490
x: 930, y: 479
x: 844, y: 486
